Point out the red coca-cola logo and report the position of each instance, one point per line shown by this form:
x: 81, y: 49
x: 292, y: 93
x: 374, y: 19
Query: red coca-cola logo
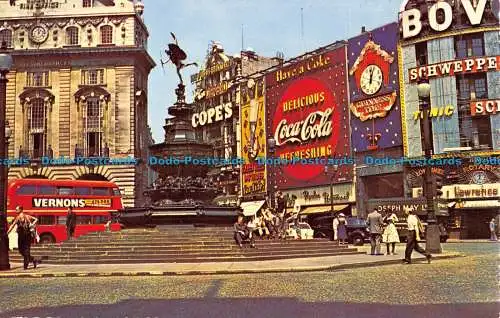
x: 306, y: 125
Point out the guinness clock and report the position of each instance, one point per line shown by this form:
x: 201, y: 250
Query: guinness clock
x: 39, y: 34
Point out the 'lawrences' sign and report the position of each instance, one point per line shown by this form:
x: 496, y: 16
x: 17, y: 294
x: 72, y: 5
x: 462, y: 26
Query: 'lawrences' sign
x: 70, y: 203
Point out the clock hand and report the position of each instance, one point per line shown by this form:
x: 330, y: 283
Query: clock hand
x: 371, y: 76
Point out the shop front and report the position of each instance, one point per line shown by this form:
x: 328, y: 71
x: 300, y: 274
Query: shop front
x: 341, y: 198
x: 473, y: 208
x: 471, y: 191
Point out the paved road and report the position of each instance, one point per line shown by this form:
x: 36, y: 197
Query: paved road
x: 459, y: 287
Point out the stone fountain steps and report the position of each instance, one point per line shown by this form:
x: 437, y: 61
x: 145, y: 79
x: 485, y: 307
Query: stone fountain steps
x: 153, y: 246
x: 136, y: 259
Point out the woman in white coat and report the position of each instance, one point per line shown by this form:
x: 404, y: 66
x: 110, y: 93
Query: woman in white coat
x: 390, y: 235
x: 12, y: 236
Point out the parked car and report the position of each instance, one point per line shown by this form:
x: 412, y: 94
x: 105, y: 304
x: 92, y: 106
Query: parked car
x: 357, y: 230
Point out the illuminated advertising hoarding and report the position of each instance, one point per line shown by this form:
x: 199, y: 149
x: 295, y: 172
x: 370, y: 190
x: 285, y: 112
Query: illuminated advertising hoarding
x: 308, y: 118
x: 253, y: 137
x: 374, y: 89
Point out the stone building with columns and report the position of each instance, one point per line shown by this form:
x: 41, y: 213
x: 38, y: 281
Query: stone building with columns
x: 78, y: 88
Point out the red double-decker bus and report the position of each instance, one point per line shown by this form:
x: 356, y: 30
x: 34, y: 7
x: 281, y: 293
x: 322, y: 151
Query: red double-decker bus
x: 48, y: 200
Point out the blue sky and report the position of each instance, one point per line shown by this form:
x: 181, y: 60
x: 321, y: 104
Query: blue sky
x: 269, y: 26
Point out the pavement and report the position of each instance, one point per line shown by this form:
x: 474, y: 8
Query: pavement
x: 171, y: 269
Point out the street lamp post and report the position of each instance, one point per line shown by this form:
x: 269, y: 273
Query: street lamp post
x: 432, y: 240
x: 5, y: 65
x: 271, y: 144
x: 335, y: 168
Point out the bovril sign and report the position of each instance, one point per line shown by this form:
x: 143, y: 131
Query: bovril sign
x: 212, y: 115
x: 440, y: 16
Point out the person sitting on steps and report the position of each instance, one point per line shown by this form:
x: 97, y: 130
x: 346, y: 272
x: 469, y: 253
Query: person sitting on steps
x: 241, y: 233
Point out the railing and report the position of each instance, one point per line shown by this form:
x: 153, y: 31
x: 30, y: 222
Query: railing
x: 92, y: 152
x: 36, y: 153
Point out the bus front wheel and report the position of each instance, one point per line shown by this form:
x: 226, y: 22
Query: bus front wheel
x: 47, y: 239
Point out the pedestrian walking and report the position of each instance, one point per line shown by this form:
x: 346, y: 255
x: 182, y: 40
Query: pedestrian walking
x: 415, y: 229
x: 24, y: 224
x: 375, y: 226
x: 493, y: 230
x: 70, y: 223
x: 341, y: 229
x: 390, y: 235
x: 335, y: 226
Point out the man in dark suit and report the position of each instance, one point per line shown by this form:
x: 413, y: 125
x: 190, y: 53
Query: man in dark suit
x: 375, y: 226
x: 70, y: 223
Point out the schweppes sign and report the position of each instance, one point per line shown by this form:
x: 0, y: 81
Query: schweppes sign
x: 71, y: 203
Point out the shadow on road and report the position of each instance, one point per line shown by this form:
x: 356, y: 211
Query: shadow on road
x: 261, y: 308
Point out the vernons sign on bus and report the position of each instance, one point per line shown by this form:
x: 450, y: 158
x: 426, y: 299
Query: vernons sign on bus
x: 441, y: 15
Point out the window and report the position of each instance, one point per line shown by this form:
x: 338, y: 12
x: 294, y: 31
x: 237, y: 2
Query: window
x: 93, y: 123
x: 72, y: 36
x: 93, y: 77
x: 87, y: 3
x: 83, y: 219
x: 82, y: 190
x: 46, y: 220
x: 37, y: 112
x: 37, y: 79
x: 421, y: 53
x: 47, y: 190
x: 65, y: 190
x: 100, y: 191
x: 26, y: 189
x: 61, y: 220
x: 36, y: 127
x: 475, y: 131
x: 6, y: 35
x: 469, y: 45
x: 101, y: 219
x: 116, y: 192
x: 106, y: 34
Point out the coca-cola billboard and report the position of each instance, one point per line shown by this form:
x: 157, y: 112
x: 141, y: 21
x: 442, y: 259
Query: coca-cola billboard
x: 307, y: 116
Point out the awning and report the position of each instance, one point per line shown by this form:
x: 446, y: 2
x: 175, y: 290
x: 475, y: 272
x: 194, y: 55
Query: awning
x: 480, y: 204
x: 323, y: 209
x: 251, y: 207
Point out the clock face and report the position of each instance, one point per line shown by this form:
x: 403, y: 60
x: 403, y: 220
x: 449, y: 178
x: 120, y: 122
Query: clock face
x: 479, y: 177
x: 39, y: 34
x: 371, y: 79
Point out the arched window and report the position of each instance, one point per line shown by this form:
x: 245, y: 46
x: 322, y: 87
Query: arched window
x: 106, y: 34
x: 72, y: 36
x: 6, y: 35
x: 37, y: 127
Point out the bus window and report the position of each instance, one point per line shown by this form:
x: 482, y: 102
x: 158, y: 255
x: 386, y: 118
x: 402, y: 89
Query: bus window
x: 100, y: 191
x: 83, y: 219
x: 65, y: 190
x: 82, y: 190
x: 46, y: 220
x: 44, y: 189
x: 61, y: 220
x: 101, y: 219
x: 116, y: 192
x: 26, y: 189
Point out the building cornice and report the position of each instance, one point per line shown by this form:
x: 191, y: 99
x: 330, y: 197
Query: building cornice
x: 91, y: 52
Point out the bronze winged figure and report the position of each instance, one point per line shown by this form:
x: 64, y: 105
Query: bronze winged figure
x: 176, y: 55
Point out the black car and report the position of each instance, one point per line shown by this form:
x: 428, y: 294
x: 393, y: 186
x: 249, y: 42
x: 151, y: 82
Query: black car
x: 357, y: 230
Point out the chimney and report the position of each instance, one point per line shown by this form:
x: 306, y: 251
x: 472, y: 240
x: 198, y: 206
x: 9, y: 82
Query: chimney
x: 363, y: 29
